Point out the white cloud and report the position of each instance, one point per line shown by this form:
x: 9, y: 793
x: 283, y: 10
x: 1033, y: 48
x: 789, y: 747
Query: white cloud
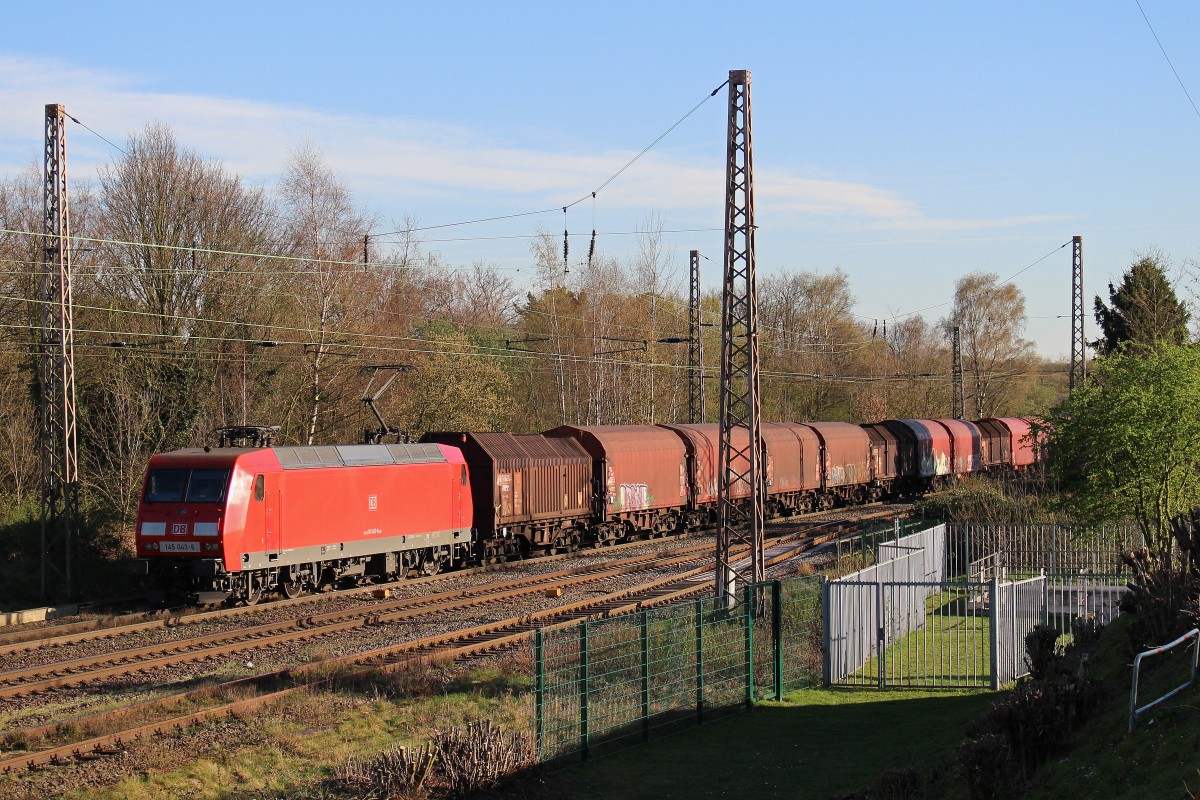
x: 406, y: 161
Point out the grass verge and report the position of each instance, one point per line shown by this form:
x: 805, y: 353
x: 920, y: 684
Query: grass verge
x: 289, y: 751
x: 814, y: 744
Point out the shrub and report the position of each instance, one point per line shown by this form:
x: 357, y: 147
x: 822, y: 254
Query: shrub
x: 1041, y: 653
x: 1158, y: 597
x: 902, y: 783
x: 987, y: 765
x: 973, y: 499
x: 395, y: 774
x: 480, y: 756
x: 1085, y: 632
x: 1037, y: 718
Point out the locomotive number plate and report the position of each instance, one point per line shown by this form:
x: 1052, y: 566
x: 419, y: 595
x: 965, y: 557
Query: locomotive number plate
x: 179, y: 547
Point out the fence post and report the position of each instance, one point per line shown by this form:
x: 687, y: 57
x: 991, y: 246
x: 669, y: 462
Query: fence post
x: 749, y: 599
x: 1053, y: 548
x: 777, y: 629
x: 583, y: 689
x: 699, y: 661
x: 1045, y: 599
x: 994, y: 628
x: 826, y: 637
x: 880, y: 635
x: 645, y: 675
x: 540, y: 691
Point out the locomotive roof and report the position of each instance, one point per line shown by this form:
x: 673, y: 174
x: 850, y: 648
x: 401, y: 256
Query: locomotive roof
x: 337, y: 455
x: 357, y: 455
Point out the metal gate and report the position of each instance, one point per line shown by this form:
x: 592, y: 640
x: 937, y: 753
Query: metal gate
x: 911, y: 634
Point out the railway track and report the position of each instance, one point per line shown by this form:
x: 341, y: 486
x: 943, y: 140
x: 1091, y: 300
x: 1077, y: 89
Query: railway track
x: 103, y: 628
x: 41, y: 678
x: 458, y: 643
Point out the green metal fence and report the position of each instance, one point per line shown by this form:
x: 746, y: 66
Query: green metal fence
x: 858, y: 551
x: 605, y: 684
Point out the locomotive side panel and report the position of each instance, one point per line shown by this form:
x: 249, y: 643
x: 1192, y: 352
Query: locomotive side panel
x: 381, y: 498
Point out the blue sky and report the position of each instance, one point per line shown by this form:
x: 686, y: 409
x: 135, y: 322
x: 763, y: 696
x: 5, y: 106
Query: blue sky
x: 906, y: 143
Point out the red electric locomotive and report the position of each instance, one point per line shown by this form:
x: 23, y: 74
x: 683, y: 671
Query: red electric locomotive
x: 235, y: 522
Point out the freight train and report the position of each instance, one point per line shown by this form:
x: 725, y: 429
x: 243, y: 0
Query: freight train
x: 234, y: 523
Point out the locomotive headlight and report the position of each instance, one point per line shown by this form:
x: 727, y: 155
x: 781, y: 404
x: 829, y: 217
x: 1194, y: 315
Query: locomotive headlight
x: 210, y: 547
x: 150, y: 545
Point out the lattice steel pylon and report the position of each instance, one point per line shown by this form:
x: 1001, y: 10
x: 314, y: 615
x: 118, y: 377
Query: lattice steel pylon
x: 742, y: 460
x: 958, y: 401
x: 56, y: 430
x: 1078, y: 343
x: 695, y: 345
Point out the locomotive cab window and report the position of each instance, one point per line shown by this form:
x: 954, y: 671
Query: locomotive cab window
x: 207, y: 485
x: 186, y: 485
x: 259, y: 490
x: 166, y: 485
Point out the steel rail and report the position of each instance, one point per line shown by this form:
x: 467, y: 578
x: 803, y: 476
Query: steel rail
x: 488, y: 637
x: 103, y: 628
x: 140, y: 659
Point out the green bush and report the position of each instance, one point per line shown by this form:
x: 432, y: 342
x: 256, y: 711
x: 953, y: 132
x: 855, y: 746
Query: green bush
x: 97, y: 557
x: 1037, y: 718
x: 1041, y: 652
x: 988, y: 768
x: 976, y: 499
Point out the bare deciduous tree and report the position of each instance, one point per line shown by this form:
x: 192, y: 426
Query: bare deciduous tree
x: 996, y: 361
x: 324, y: 231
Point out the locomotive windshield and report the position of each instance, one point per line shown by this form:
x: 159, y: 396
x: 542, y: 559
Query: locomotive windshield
x: 186, y: 485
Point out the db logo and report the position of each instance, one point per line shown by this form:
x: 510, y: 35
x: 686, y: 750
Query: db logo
x: 372, y: 502
x: 179, y: 528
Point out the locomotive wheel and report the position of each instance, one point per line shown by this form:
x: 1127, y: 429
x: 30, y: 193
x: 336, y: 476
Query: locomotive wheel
x: 431, y: 566
x: 291, y: 589
x: 253, y: 594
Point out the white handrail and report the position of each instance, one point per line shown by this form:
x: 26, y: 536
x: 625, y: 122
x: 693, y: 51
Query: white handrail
x: 1134, y: 711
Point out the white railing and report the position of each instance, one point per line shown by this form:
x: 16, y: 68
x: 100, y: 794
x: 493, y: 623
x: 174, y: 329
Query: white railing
x: 1134, y: 711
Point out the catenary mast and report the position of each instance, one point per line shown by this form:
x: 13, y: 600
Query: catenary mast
x: 741, y: 453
